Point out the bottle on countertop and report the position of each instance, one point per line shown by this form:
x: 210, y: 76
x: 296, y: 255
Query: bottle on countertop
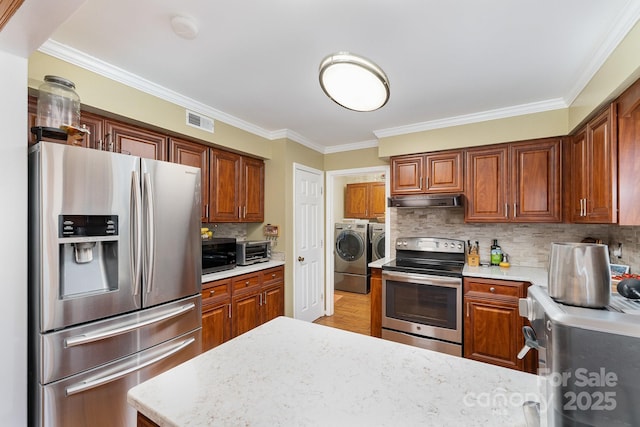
x: 496, y: 253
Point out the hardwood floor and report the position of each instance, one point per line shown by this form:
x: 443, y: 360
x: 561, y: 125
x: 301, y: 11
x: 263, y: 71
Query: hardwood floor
x: 352, y: 312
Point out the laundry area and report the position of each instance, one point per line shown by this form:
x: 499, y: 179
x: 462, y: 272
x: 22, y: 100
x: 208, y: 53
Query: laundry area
x: 359, y: 232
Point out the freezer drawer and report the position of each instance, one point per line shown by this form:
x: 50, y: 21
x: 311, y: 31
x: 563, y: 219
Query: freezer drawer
x: 80, y: 348
x: 99, y: 397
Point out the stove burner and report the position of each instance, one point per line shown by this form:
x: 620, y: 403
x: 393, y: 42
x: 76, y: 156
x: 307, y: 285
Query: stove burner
x: 428, y: 255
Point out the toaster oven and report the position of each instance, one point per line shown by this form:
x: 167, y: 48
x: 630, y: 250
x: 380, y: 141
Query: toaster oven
x: 253, y: 251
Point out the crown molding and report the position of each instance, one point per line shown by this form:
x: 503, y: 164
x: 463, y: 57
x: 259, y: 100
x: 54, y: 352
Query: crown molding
x: 88, y: 62
x: 351, y: 147
x: 483, y: 116
x: 624, y: 22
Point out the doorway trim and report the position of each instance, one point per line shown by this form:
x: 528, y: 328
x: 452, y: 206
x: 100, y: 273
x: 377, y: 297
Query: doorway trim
x: 331, y: 192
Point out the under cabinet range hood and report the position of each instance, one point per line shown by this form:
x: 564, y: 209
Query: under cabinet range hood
x: 426, y: 201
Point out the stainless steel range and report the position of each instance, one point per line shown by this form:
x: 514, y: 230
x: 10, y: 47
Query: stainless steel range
x: 422, y: 294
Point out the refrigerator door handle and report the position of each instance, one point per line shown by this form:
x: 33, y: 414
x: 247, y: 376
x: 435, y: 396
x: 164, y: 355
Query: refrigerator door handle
x: 150, y: 234
x: 119, y: 330
x: 87, y: 385
x: 136, y: 231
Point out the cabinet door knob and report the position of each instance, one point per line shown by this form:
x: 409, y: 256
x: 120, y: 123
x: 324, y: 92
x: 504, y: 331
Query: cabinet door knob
x: 212, y: 292
x: 246, y: 283
x: 300, y: 258
x: 273, y: 275
x: 492, y: 289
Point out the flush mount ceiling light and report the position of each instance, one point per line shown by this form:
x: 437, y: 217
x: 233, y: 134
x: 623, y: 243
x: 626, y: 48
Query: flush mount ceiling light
x: 184, y: 27
x: 354, y: 82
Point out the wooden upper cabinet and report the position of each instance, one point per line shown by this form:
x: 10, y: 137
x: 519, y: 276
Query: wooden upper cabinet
x: 536, y: 176
x: 439, y: 172
x: 236, y: 188
x: 224, y: 186
x: 628, y: 111
x: 407, y: 175
x: 592, y: 161
x: 196, y: 155
x: 356, y: 201
x: 444, y: 172
x: 377, y: 200
x: 487, y: 185
x: 517, y: 182
x: 252, y: 181
x: 365, y: 200
x: 135, y: 141
x: 95, y: 125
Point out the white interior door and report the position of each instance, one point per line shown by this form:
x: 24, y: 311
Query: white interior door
x: 308, y: 288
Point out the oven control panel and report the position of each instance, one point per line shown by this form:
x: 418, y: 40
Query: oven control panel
x: 431, y: 244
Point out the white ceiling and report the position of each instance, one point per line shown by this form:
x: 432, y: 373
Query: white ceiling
x: 254, y: 62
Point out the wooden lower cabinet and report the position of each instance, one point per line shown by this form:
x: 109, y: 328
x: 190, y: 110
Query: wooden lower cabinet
x: 376, y: 302
x: 143, y: 421
x: 492, y: 323
x: 239, y: 304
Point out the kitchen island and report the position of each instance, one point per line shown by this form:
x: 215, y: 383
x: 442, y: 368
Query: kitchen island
x: 293, y: 373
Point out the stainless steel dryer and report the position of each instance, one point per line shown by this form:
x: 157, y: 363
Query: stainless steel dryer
x: 352, y: 256
x: 377, y: 239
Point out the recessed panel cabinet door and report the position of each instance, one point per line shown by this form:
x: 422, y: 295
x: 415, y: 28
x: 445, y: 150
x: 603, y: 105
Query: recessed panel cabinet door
x: 602, y: 202
x: 356, y: 200
x: 536, y: 181
x: 216, y: 326
x: 253, y: 190
x: 196, y: 155
x: 246, y: 313
x: 578, y: 163
x: 273, y: 302
x: 135, y: 141
x: 377, y: 200
x: 407, y: 175
x: 224, y: 186
x: 494, y: 325
x: 628, y: 107
x: 444, y: 172
x: 487, y: 186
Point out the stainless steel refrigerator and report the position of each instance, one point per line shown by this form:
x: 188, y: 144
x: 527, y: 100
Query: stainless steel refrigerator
x: 114, y: 280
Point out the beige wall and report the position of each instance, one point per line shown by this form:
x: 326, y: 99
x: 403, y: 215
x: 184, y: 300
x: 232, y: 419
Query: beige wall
x: 530, y: 126
x: 279, y: 202
x: 107, y: 95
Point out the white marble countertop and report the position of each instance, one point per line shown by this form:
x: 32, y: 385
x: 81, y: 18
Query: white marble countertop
x: 378, y: 263
x: 293, y: 373
x: 535, y: 275
x: 240, y: 270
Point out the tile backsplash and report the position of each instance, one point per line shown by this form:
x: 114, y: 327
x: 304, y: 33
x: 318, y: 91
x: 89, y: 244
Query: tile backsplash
x: 526, y: 244
x: 230, y: 229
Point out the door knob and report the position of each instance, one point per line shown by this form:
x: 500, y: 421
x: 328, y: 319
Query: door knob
x: 300, y: 258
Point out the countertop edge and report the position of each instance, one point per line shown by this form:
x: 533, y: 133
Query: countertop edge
x: 240, y: 270
x: 535, y: 275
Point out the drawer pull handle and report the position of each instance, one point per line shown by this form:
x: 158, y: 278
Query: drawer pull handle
x: 273, y: 275
x: 492, y: 289
x: 212, y: 292
x: 246, y: 283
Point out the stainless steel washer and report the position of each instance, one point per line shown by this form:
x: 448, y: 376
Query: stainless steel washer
x: 352, y: 256
x: 377, y: 239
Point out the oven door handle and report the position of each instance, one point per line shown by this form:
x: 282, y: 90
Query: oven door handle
x: 422, y: 279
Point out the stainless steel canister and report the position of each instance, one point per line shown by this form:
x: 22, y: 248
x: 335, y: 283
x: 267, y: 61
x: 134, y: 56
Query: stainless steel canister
x: 579, y: 274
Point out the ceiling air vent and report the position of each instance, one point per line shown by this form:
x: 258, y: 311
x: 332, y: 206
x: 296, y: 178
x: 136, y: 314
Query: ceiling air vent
x: 199, y: 121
